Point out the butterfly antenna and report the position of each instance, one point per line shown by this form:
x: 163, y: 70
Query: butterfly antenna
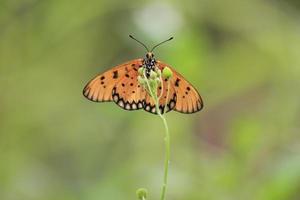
x: 161, y: 43
x: 139, y: 42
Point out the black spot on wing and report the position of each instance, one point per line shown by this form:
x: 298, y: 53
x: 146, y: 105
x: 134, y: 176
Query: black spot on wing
x: 177, y: 82
x: 115, y: 74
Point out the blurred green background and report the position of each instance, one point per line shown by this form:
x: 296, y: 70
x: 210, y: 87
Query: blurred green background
x: 243, y: 56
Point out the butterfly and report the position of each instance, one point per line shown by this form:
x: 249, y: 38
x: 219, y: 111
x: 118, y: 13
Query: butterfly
x: 120, y: 85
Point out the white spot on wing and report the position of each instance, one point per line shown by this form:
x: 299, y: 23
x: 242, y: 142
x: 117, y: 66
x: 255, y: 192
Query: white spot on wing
x: 172, y: 104
x: 140, y: 105
x: 153, y: 110
x: 148, y: 108
x: 127, y: 106
x: 134, y: 106
x: 116, y: 98
x: 121, y: 103
x: 86, y: 92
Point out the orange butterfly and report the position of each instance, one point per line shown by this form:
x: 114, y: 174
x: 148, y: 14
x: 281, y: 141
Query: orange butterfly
x: 120, y: 84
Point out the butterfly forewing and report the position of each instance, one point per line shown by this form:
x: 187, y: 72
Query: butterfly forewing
x: 188, y: 99
x: 100, y: 88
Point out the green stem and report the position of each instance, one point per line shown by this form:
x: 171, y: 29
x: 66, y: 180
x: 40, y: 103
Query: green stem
x: 167, y: 158
x: 167, y: 147
x: 167, y: 136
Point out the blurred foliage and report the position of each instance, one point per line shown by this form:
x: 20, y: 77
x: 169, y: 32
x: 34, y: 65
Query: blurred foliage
x: 243, y: 56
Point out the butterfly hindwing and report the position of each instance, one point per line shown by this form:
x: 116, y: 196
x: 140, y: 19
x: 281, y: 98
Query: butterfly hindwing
x: 188, y: 99
x: 100, y: 88
x: 128, y: 93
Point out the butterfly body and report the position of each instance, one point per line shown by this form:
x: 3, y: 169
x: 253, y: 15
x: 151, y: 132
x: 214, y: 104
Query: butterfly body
x: 120, y: 84
x: 149, y: 63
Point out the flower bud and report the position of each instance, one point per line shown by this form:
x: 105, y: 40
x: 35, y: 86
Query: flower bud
x: 141, y: 71
x: 153, y: 74
x: 158, y: 81
x: 141, y: 193
x: 152, y: 83
x: 141, y: 80
x: 167, y: 73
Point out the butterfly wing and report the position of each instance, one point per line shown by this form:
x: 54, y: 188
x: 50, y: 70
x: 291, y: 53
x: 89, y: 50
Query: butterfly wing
x: 187, y: 99
x: 100, y: 88
x: 120, y: 85
x: 128, y: 93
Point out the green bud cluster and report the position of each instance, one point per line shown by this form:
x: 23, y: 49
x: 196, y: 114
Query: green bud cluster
x: 154, y: 80
x: 141, y: 194
x: 167, y: 73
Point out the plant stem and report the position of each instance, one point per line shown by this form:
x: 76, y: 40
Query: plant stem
x: 167, y: 147
x: 167, y: 158
x: 156, y: 98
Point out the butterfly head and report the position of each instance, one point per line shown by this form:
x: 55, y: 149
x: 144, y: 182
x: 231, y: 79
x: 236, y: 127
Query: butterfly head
x: 149, y: 62
x: 149, y: 56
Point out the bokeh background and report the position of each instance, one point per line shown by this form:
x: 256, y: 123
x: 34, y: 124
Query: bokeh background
x: 243, y: 56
